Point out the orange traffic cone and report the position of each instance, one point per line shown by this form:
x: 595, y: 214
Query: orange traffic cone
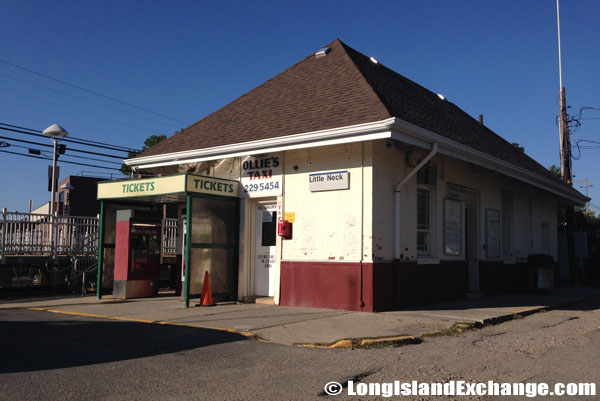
x: 206, y: 294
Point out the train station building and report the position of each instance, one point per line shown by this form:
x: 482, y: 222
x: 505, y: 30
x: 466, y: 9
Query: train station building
x: 340, y: 184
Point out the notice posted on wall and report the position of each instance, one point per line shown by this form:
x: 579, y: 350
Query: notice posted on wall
x: 261, y: 175
x: 452, y: 227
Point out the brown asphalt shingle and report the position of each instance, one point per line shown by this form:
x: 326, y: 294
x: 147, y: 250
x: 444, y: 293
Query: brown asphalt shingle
x: 312, y: 95
x: 341, y: 89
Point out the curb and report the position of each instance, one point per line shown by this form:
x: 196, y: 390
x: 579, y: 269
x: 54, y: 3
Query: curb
x: 352, y: 343
x: 461, y: 327
x: 246, y: 334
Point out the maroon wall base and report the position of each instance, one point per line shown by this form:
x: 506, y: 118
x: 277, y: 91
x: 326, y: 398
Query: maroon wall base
x: 370, y: 286
x: 498, y: 278
x: 427, y: 284
x: 332, y: 285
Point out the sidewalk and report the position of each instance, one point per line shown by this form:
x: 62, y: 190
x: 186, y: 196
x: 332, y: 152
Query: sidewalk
x: 293, y: 325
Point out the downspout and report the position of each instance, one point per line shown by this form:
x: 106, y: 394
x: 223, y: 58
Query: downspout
x: 397, y: 223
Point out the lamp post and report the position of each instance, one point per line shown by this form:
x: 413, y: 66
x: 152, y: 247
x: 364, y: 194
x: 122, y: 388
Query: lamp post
x: 55, y: 132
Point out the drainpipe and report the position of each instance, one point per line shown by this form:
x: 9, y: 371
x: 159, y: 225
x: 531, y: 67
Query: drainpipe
x: 432, y: 153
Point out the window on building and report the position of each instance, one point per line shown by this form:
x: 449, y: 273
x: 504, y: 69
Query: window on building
x: 61, y: 201
x: 427, y: 175
x: 492, y: 233
x: 452, y: 227
x: 423, y: 222
x: 269, y: 228
x: 507, y: 218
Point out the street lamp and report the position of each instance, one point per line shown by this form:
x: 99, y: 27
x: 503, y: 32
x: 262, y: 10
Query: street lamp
x: 55, y: 132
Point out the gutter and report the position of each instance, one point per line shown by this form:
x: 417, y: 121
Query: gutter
x: 404, y: 131
x: 394, y: 128
x: 354, y: 133
x: 397, y: 207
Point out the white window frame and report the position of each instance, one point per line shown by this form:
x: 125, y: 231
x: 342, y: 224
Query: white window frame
x: 453, y: 227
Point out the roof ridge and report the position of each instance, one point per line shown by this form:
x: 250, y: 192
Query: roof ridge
x: 355, y: 54
x: 233, y: 102
x: 362, y: 74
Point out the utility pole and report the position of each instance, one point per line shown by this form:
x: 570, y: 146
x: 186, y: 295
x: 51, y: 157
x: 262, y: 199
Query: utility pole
x: 585, y: 186
x: 565, y: 147
x: 565, y: 163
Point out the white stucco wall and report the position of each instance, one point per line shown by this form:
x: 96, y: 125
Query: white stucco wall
x: 531, y: 206
x: 329, y: 225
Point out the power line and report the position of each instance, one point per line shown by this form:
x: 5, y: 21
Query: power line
x: 68, y: 140
x: 72, y: 139
x: 62, y: 161
x: 79, y: 157
x: 50, y: 146
x: 77, y: 110
x: 90, y: 91
x: 88, y: 100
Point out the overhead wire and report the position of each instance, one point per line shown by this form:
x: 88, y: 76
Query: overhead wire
x: 72, y: 139
x: 62, y: 161
x: 91, y: 91
x: 88, y: 100
x: 71, y: 149
x: 64, y: 155
x: 76, y: 110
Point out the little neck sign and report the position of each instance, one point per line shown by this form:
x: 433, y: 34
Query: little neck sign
x: 330, y: 181
x: 174, y: 184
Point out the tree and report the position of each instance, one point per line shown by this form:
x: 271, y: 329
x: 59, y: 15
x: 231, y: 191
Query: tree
x: 148, y: 143
x: 554, y: 169
x: 516, y: 145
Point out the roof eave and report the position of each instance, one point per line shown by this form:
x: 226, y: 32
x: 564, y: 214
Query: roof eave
x: 354, y: 133
x: 421, y: 137
x: 389, y: 128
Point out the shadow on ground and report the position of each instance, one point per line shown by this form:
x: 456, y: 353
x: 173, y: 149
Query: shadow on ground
x: 33, y: 340
x: 569, y: 297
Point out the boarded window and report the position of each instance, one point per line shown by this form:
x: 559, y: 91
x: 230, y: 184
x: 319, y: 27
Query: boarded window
x: 452, y: 227
x: 492, y: 233
x: 423, y: 223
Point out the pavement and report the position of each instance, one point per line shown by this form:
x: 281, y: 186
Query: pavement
x: 311, y: 326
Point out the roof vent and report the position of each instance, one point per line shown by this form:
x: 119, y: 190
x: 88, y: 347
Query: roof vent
x: 373, y: 60
x: 441, y: 96
x: 322, y: 52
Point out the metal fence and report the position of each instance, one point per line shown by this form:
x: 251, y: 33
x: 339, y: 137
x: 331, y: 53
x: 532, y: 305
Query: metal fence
x: 31, y: 234
x: 169, y: 236
x: 67, y: 245
x: 39, y: 234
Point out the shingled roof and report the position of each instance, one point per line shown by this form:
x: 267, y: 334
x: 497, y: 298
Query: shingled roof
x: 341, y: 89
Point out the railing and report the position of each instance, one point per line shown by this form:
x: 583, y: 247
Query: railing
x: 169, y: 236
x: 31, y: 234
x: 73, y: 253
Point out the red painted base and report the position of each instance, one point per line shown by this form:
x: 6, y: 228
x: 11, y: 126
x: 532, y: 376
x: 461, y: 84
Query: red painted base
x: 370, y: 287
x: 332, y: 285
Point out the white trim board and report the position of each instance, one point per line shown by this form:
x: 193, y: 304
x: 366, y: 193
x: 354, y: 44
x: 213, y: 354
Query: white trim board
x: 393, y: 128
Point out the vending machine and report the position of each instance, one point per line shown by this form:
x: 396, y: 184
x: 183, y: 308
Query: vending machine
x: 137, y: 255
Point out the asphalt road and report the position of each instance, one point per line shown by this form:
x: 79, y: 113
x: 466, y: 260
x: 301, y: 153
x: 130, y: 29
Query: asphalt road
x: 46, y: 356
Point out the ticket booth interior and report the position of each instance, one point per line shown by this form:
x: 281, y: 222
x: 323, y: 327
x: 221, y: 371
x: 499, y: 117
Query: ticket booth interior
x: 129, y: 237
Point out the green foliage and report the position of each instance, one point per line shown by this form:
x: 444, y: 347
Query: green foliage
x: 516, y: 145
x: 554, y: 169
x: 148, y: 143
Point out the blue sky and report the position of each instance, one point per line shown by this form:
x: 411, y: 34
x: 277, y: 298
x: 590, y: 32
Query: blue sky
x: 186, y: 59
